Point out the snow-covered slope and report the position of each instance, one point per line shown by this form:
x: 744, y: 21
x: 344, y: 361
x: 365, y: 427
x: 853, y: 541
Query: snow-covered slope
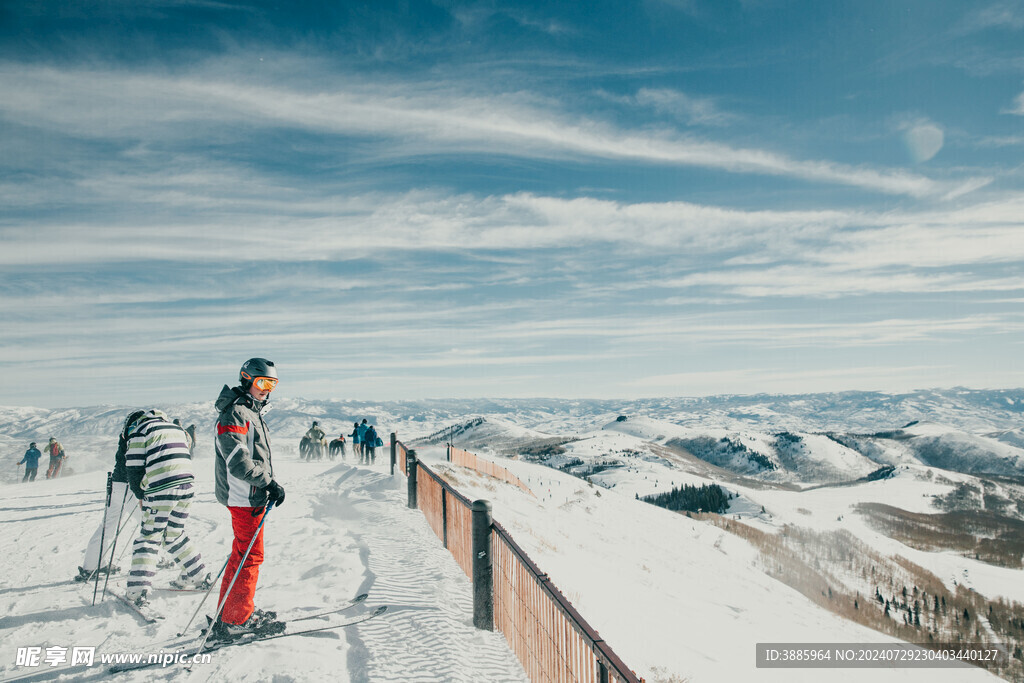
x: 342, y: 531
x: 673, y: 596
x: 942, y: 446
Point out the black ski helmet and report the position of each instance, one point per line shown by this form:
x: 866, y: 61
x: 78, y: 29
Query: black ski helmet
x: 129, y: 421
x: 256, y: 367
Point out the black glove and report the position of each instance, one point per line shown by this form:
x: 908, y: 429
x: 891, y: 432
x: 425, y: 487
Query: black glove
x: 135, y: 481
x: 275, y: 493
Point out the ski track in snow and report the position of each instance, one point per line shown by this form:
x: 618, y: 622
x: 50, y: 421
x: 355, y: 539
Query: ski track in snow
x: 343, y: 530
x: 429, y: 619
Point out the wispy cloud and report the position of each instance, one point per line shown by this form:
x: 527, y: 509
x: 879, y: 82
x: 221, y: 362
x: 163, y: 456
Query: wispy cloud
x: 1018, y: 105
x: 1001, y: 141
x: 695, y: 111
x: 416, y: 120
x: 1002, y: 15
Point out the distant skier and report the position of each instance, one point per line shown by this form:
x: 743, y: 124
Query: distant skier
x: 31, y: 462
x: 57, y: 457
x: 370, y: 445
x: 315, y: 441
x: 357, y: 440
x: 190, y: 432
x: 120, y: 505
x: 159, y: 470
x: 361, y: 428
x: 337, y: 447
x: 315, y: 433
x: 245, y: 484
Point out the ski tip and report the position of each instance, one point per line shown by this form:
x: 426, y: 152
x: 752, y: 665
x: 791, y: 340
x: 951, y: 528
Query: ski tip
x: 380, y: 610
x: 360, y: 597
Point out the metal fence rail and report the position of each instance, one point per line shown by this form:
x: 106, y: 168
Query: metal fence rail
x: 552, y: 640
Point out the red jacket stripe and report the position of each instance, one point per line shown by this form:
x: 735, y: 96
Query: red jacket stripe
x: 237, y: 429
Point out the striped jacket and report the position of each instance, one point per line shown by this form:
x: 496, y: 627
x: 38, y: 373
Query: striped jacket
x: 157, y: 456
x: 242, y: 468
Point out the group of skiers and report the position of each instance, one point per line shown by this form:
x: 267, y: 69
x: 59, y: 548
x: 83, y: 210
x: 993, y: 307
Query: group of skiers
x: 365, y: 441
x: 31, y: 460
x: 153, y: 468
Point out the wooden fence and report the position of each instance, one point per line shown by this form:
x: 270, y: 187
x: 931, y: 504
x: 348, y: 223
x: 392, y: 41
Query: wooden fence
x: 457, y: 456
x: 552, y: 640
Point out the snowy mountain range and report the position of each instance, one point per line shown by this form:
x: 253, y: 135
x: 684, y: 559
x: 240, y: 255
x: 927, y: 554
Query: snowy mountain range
x: 812, y: 438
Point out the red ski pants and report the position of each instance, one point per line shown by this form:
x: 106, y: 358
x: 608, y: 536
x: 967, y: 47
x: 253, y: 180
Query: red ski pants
x: 239, y: 606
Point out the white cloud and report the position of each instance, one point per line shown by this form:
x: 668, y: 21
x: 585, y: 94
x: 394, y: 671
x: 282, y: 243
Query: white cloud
x: 1002, y: 141
x: 415, y: 118
x: 741, y: 253
x: 698, y: 111
x: 1018, y: 105
x: 1005, y: 15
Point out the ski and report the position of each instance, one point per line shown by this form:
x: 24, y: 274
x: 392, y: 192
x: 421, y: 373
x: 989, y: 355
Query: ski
x: 118, y: 668
x: 351, y: 603
x: 259, y: 639
x: 147, y: 613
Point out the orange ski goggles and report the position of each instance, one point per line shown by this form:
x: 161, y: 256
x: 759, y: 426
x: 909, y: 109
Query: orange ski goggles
x: 265, y: 383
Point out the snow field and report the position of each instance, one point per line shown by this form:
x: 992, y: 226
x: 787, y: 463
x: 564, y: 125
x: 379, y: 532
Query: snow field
x: 672, y: 596
x: 343, y: 530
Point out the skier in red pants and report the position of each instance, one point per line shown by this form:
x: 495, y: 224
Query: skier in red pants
x: 245, y: 484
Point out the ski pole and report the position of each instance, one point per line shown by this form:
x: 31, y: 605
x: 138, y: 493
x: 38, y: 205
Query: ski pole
x: 103, y: 534
x: 206, y: 595
x: 113, y: 544
x: 134, y: 508
x: 231, y: 585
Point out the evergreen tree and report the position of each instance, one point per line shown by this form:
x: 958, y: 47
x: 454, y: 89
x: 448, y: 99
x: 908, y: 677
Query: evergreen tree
x: 707, y: 498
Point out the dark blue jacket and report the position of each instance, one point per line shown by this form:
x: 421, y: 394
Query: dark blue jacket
x: 31, y: 458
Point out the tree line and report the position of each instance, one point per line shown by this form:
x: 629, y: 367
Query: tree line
x: 706, y: 498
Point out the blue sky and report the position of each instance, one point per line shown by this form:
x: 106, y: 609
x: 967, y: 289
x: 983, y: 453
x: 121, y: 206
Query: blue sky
x: 457, y: 199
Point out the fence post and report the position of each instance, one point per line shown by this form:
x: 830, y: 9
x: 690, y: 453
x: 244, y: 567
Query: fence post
x: 483, y: 567
x: 444, y: 515
x: 410, y: 465
x: 394, y: 448
x: 448, y: 452
x: 603, y: 672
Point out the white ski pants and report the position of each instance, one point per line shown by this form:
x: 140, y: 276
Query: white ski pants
x: 122, y: 503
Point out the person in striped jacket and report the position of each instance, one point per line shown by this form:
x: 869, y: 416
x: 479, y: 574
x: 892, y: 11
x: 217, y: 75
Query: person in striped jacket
x: 159, y: 468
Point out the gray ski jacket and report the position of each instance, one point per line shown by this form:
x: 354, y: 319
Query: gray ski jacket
x: 242, y: 468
